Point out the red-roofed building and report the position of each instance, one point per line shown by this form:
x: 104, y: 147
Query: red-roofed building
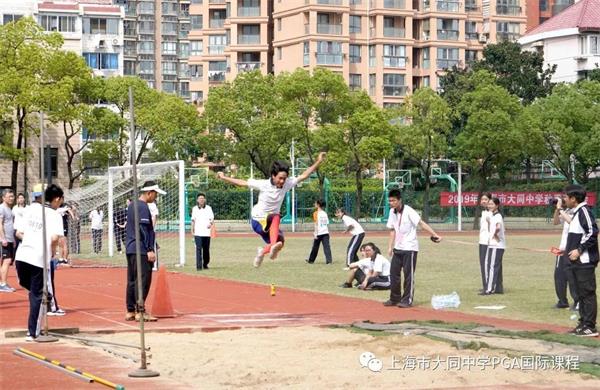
x: 570, y: 40
x: 538, y: 11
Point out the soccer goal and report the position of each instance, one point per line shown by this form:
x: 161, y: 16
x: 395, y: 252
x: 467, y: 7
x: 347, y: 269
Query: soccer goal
x: 170, y: 222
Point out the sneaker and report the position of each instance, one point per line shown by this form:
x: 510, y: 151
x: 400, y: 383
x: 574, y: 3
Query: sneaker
x: 130, y: 316
x: 147, y: 317
x: 346, y: 285
x: 57, y: 313
x: 561, y: 306
x: 259, y: 258
x: 275, y: 249
x: 390, y: 303
x: 576, y: 329
x: 5, y: 288
x: 29, y: 338
x: 346, y: 268
x: 485, y: 293
x: 403, y: 305
x: 575, y: 307
x: 586, y: 332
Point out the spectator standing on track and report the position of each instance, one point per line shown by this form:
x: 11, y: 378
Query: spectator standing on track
x: 7, y: 238
x: 321, y: 234
x: 495, y: 251
x: 484, y: 234
x: 96, y: 217
x: 202, y: 222
x: 120, y: 222
x: 19, y: 212
x: 30, y: 261
x: 357, y: 232
x: 563, y: 273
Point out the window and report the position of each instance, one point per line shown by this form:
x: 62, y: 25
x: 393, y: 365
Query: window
x: 169, y: 86
x: 184, y: 30
x: 471, y: 30
x: 100, y: 26
x: 169, y: 67
x: 216, y: 71
x: 102, y: 60
x: 372, y: 59
x: 306, y: 53
x: 196, y: 72
x: 184, y: 50
x: 278, y: 24
x: 355, y: 54
x: 146, y: 67
x: 393, y: 84
x: 279, y: 53
x: 147, y: 7
x: 508, y: 31
x: 197, y: 97
x: 196, y: 48
x: 470, y: 56
x: 355, y: 24
x: 129, y: 27
x: 447, y: 29
x: 52, y: 156
x: 425, y: 58
x: 355, y: 82
x: 595, y: 44
x: 394, y: 56
x: 146, y: 47
x: 196, y: 21
x: 447, y: 57
x: 329, y: 53
x: 58, y: 23
x: 216, y: 44
x: 7, y: 18
x: 169, y: 48
x: 129, y: 68
x: 372, y: 83
x: 169, y: 28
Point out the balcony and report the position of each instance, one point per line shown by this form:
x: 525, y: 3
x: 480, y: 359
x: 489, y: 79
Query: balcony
x: 513, y: 10
x: 169, y: 71
x: 217, y: 23
x: 247, y: 66
x: 183, y: 34
x: 448, y: 6
x: 145, y: 50
x: 248, y: 12
x: 328, y: 2
x: 393, y: 32
x: 446, y: 64
x: 129, y: 51
x: 395, y: 90
x: 394, y: 62
x: 329, y: 59
x: 184, y: 74
x: 216, y: 1
x: 146, y: 30
x: 330, y: 29
x: 447, y: 35
x: 507, y: 36
x: 393, y: 4
x: 216, y: 49
x: 248, y: 39
x: 216, y: 76
x: 471, y: 36
x: 472, y: 7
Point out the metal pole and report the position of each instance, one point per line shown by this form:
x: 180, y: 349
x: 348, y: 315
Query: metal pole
x: 459, y: 197
x: 293, y: 160
x: 111, y: 234
x: 251, y: 190
x: 181, y: 178
x: 143, y: 371
x: 44, y: 337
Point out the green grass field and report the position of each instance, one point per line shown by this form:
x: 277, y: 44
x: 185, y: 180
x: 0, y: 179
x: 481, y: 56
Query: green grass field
x: 441, y: 269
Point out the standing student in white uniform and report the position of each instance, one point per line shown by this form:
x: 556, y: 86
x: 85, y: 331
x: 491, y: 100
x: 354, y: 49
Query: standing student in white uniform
x: 404, y: 247
x: 321, y: 234
x: 202, y: 221
x: 357, y: 232
x: 495, y: 252
x: 563, y: 274
x: 265, y: 213
x: 484, y: 234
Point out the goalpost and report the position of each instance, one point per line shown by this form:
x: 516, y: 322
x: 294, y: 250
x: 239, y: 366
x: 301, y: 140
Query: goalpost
x: 170, y: 224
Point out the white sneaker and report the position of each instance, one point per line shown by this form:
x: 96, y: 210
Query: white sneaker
x: 57, y: 313
x: 29, y: 339
x: 275, y: 249
x: 6, y: 288
x: 346, y: 268
x: 259, y: 257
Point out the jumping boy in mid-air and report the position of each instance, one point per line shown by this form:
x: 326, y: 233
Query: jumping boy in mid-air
x: 265, y: 213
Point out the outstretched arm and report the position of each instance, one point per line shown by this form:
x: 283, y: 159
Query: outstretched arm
x: 429, y: 230
x: 231, y: 180
x: 309, y: 171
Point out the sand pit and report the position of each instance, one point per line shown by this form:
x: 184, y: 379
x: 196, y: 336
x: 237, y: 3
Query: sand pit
x: 312, y: 357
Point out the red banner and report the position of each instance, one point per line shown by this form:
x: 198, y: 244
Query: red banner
x: 512, y: 199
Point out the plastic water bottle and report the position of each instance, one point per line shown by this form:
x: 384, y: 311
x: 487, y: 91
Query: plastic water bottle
x: 445, y: 301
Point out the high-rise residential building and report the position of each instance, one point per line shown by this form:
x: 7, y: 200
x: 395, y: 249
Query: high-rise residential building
x: 156, y: 45
x: 538, y: 11
x: 386, y: 47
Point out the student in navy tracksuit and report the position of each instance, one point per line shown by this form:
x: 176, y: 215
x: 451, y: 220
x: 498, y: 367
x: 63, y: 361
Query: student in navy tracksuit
x: 582, y: 249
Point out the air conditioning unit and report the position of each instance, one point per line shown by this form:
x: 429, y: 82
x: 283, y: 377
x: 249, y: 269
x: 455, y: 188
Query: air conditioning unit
x: 482, y: 38
x: 117, y: 42
x: 102, y: 44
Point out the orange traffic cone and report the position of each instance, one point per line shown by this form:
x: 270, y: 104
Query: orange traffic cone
x: 162, y: 306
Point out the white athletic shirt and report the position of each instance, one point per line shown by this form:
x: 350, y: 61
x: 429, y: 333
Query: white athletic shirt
x: 96, y: 219
x: 381, y: 265
x: 349, y: 221
x: 322, y: 222
x: 484, y: 227
x: 405, y: 225
x: 202, y: 219
x: 500, y: 243
x: 365, y: 265
x: 19, y: 213
x: 31, y: 248
x: 270, y: 197
x: 565, y: 231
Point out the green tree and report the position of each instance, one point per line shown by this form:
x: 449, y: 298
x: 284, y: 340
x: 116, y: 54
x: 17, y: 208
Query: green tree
x: 25, y: 84
x: 358, y: 142
x: 255, y: 118
x: 423, y: 139
x: 568, y: 122
x: 491, y: 134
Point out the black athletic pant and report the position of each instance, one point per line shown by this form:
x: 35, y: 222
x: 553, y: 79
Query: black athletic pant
x: 403, y: 261
x: 563, y: 277
x: 202, y: 252
x: 132, y: 292
x: 324, y: 238
x: 31, y: 278
x: 353, y: 247
x: 97, y: 240
x: 493, y: 271
x: 120, y: 237
x: 585, y: 281
x: 482, y: 254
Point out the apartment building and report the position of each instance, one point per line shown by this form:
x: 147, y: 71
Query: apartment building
x: 538, y: 11
x: 156, y: 45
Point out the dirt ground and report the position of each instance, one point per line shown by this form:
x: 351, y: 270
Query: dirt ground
x: 313, y: 357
